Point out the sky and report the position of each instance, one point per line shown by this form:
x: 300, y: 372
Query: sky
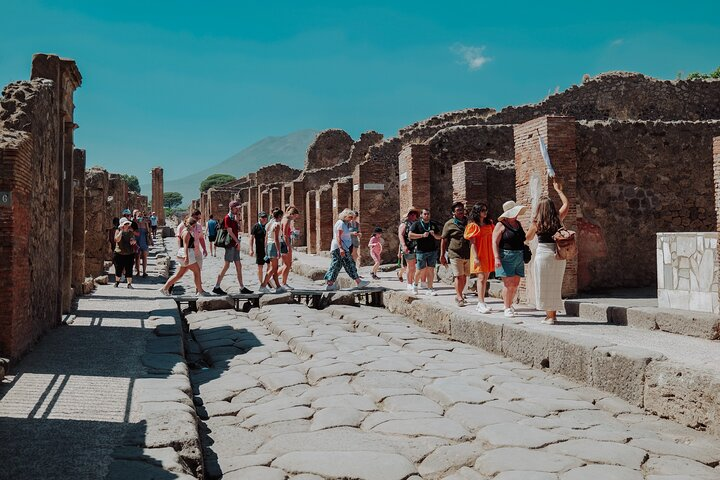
x: 186, y: 84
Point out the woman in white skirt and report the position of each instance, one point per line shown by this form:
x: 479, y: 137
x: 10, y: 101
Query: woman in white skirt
x: 548, y: 271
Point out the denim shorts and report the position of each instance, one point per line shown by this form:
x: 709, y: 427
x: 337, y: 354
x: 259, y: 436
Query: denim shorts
x: 271, y: 250
x: 512, y: 264
x: 426, y: 259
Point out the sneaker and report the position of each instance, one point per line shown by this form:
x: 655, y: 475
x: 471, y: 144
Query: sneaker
x: 414, y: 290
x: 410, y: 287
x: 509, y: 313
x: 362, y: 284
x: 375, y: 277
x: 130, y: 286
x: 331, y: 288
x: 512, y: 307
x: 280, y: 290
x: 202, y: 294
x: 117, y: 284
x: 548, y: 321
x: 219, y: 291
x: 430, y: 292
x: 460, y: 302
x: 165, y: 292
x: 423, y: 285
x: 483, y: 308
x: 245, y: 291
x: 144, y: 275
x: 264, y: 290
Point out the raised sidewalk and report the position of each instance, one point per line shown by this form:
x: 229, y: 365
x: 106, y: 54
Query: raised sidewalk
x: 616, y: 346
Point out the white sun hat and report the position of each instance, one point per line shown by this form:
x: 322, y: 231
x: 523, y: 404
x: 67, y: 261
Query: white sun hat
x: 511, y: 209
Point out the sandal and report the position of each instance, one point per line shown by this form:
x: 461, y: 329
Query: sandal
x: 548, y: 321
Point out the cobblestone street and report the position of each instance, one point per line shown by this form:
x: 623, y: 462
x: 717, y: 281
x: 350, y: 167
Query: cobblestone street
x: 352, y: 392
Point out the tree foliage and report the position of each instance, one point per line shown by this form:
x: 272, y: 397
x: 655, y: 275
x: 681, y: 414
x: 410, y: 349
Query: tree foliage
x: 172, y: 199
x: 699, y: 76
x: 215, y: 179
x: 132, y: 182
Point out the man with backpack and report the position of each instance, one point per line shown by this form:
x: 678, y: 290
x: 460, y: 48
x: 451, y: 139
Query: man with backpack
x: 407, y: 248
x: 232, y: 251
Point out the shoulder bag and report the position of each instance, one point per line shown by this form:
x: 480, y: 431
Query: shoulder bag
x: 566, y: 246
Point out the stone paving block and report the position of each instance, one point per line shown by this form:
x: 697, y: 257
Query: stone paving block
x: 515, y: 435
x: 292, y: 413
x: 255, y: 473
x: 475, y: 417
x: 318, y: 373
x: 439, y: 427
x: 520, y: 390
x: 601, y: 452
x: 205, y: 304
x: 358, y: 402
x: 525, y: 475
x: 466, y: 473
x: 411, y: 403
x: 602, y: 471
x: 449, y: 457
x: 164, y: 363
x: 357, y: 465
x: 448, y: 393
x: 337, y: 417
x: 621, y: 371
x: 707, y: 454
x: 507, y: 459
x: 279, y: 380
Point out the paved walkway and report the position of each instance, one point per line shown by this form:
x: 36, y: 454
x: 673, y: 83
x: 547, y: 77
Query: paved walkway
x: 74, y: 399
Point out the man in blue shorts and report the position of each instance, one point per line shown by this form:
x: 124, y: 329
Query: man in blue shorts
x: 426, y: 233
x: 212, y: 227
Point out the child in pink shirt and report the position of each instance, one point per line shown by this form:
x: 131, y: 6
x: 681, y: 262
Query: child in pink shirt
x: 376, y: 245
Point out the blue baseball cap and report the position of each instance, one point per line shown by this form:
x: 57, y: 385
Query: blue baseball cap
x: 127, y: 212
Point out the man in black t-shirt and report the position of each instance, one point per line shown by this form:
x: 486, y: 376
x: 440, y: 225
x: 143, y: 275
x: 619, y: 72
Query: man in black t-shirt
x: 426, y: 233
x: 257, y: 246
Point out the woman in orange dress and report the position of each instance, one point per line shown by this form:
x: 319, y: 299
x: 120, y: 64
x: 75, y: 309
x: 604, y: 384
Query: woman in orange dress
x: 479, y: 231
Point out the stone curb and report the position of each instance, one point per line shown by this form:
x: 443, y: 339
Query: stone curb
x: 644, y: 378
x: 166, y: 443
x: 681, y: 322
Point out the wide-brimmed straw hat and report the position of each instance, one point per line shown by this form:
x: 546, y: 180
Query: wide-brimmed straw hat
x: 511, y: 209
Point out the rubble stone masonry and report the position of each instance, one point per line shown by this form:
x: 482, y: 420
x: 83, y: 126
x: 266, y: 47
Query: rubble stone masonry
x: 158, y: 194
x: 329, y: 148
x: 310, y: 221
x: 98, y: 220
x: 341, y: 195
x: 79, y: 217
x: 324, y: 219
x: 716, y: 182
x: 414, y: 174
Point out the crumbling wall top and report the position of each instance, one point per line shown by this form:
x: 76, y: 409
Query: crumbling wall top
x: 329, y: 148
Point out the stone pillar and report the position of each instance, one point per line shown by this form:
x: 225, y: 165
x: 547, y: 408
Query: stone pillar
x: 532, y: 182
x: 219, y: 202
x: 470, y: 182
x: 204, y: 207
x: 253, y: 209
x: 285, y: 192
x: 265, y: 201
x: 276, y: 199
x: 324, y: 219
x: 310, y: 220
x: 98, y: 221
x: 66, y: 228
x: 158, y: 194
x: 342, y: 195
x: 78, y: 233
x: 414, y: 169
x: 297, y: 198
x: 716, y: 175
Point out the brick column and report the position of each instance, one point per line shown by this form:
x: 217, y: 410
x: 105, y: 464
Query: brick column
x: 470, y: 182
x: 324, y: 218
x: 716, y: 172
x: 78, y: 232
x: 219, y: 201
x: 414, y: 168
x: 297, y: 198
x: 342, y: 196
x: 285, y: 195
x: 275, y: 199
x: 158, y: 193
x: 532, y: 181
x: 253, y: 209
x: 310, y: 220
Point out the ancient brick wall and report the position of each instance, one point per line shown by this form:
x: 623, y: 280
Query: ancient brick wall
x: 275, y: 199
x: 636, y: 179
x: 219, y: 202
x: 158, y: 195
x: 324, y: 219
x: 532, y: 182
x: 716, y: 183
x: 137, y: 201
x: 310, y: 221
x: 297, y: 198
x: 329, y: 148
x: 253, y: 208
x: 118, y: 195
x: 376, y: 196
x: 493, y: 144
x: 341, y: 195
x: 79, y: 216
x: 414, y: 175
x: 98, y: 220
x: 359, y: 150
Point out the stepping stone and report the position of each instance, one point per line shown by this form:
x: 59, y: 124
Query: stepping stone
x: 356, y: 465
x: 506, y: 459
x: 514, y: 435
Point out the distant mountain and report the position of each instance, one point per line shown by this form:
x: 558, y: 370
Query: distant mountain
x: 289, y: 149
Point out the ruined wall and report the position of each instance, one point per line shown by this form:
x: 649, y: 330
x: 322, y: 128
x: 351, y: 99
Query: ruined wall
x: 158, y: 195
x: 218, y: 202
x: 277, y: 173
x: 79, y: 216
x: 492, y: 143
x: 32, y: 107
x: 360, y: 148
x: 137, y: 201
x: 636, y: 179
x: 329, y: 148
x: 117, y: 195
x: 98, y: 220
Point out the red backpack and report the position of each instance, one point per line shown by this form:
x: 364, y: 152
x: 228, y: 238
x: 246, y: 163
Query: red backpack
x: 565, y: 243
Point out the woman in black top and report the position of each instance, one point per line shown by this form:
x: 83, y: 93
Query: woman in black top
x: 508, y: 244
x: 186, y: 258
x: 548, y: 271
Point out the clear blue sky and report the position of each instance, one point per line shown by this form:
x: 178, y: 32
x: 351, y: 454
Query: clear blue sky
x: 186, y: 84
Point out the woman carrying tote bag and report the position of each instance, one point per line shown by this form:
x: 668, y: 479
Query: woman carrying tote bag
x: 548, y: 269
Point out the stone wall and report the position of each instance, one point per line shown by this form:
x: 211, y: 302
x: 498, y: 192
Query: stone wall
x: 98, y: 220
x: 636, y: 179
x: 158, y: 195
x: 329, y: 148
x: 493, y: 144
x: 686, y: 273
x: 359, y: 150
x: 117, y: 195
x: 414, y: 176
x: 79, y: 217
x: 277, y: 173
